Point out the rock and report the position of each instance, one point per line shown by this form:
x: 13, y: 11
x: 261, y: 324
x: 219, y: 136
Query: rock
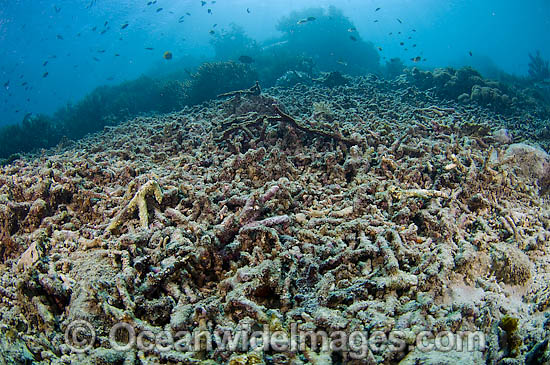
x: 485, y: 95
x: 503, y: 136
x: 530, y: 162
x: 511, y: 265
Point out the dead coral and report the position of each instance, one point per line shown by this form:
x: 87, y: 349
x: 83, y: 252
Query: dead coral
x: 254, y: 127
x: 332, y: 79
x: 251, y: 210
x: 404, y: 213
x: 285, y: 118
x: 7, y: 244
x: 254, y: 90
x: 139, y: 204
x: 512, y: 266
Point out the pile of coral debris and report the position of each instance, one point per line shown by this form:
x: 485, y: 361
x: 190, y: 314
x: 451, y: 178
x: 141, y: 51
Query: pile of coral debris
x: 366, y: 208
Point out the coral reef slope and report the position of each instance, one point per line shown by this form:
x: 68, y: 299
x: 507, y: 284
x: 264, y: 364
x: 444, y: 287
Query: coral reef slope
x: 353, y: 208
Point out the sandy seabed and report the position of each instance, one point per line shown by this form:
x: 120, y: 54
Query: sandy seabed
x: 370, y: 208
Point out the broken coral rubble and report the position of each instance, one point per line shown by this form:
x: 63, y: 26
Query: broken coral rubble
x: 346, y: 209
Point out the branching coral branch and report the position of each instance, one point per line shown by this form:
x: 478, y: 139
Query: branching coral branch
x: 285, y: 118
x: 268, y: 222
x: 417, y: 193
x: 243, y: 123
x: 254, y: 90
x: 139, y: 203
x: 252, y: 209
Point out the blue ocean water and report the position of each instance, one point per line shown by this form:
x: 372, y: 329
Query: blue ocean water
x: 56, y: 52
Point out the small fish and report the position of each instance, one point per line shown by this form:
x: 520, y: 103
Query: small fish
x: 149, y: 3
x: 416, y: 59
x: 180, y: 21
x: 7, y: 84
x: 311, y: 19
x: 399, y: 20
x: 105, y: 24
x: 45, y: 74
x: 401, y: 43
x: 342, y: 62
x: 96, y: 59
x: 246, y: 59
x: 101, y: 51
x: 24, y: 83
x: 390, y: 33
x: 409, y: 38
x: 380, y: 49
x: 414, y: 30
x: 167, y: 55
x: 470, y: 53
x: 376, y: 20
x: 45, y: 63
x: 215, y: 25
x: 188, y: 14
x: 212, y: 31
x: 149, y: 48
x: 352, y: 29
x: 159, y: 9
x: 248, y: 10
x: 78, y: 34
x: 117, y: 55
x: 57, y: 10
x: 209, y: 11
x: 94, y: 29
x: 203, y: 3
x: 353, y: 38
x: 59, y: 36
x: 104, y: 31
x: 301, y: 21
x: 414, y: 45
x: 377, y: 9
x: 124, y: 26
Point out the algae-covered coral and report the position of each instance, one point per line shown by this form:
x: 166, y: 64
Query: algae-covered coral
x: 351, y: 209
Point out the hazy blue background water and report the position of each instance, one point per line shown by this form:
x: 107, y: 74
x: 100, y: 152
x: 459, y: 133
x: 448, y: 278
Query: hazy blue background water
x: 498, y: 33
